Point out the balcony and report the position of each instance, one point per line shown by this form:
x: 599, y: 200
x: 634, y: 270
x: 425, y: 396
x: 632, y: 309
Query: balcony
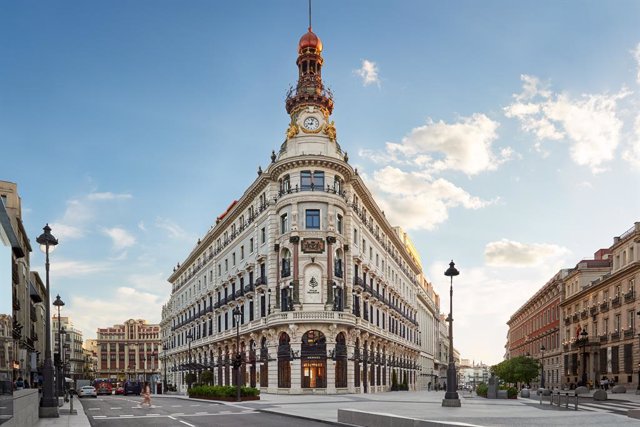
x: 584, y: 314
x: 358, y: 283
x: 338, y: 272
x: 604, y: 306
x: 615, y: 302
x: 576, y: 317
x: 285, y: 271
x: 615, y: 336
x: 629, y: 333
x: 604, y: 337
x: 567, y: 320
x: 250, y: 288
x: 629, y: 296
x: 593, y: 310
x: 261, y: 281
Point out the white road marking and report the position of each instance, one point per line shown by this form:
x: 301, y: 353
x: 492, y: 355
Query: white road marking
x: 126, y: 415
x: 202, y: 413
x: 99, y: 416
x: 94, y: 409
x: 176, y: 406
x: 194, y: 405
x: 184, y: 422
x: 114, y: 408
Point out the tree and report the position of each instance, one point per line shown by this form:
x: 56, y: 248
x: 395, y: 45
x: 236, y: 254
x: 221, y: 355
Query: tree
x: 517, y: 369
x: 206, y: 377
x: 190, y: 378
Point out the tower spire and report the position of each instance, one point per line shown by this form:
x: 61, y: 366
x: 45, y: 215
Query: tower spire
x: 310, y: 89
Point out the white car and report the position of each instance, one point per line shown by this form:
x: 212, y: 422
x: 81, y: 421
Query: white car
x: 87, y: 390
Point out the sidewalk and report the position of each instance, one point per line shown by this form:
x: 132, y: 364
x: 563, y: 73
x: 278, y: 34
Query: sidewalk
x: 426, y: 405
x: 65, y: 419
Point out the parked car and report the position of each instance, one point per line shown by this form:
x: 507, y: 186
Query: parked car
x: 132, y: 387
x: 120, y: 390
x: 87, y: 390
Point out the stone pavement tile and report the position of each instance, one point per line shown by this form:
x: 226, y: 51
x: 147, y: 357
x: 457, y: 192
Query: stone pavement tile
x: 66, y: 420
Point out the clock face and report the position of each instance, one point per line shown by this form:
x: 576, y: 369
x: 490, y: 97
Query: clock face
x: 311, y: 123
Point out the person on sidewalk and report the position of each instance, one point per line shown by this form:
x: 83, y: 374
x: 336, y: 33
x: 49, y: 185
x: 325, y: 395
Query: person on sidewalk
x: 146, y: 394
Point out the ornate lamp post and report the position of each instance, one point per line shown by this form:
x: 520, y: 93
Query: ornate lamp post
x: 451, y: 398
x: 237, y: 363
x: 49, y: 402
x: 59, y: 303
x: 190, y: 338
x: 585, y: 340
x: 542, y: 349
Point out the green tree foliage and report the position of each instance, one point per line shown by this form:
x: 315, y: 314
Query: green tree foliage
x: 517, y: 369
x: 206, y: 377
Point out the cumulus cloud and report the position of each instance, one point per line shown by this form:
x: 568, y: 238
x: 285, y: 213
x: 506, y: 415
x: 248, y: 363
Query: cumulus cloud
x: 415, y: 201
x: 509, y: 253
x: 590, y: 123
x: 120, y: 237
x: 632, y: 152
x: 636, y: 55
x: 70, y: 268
x: 369, y: 73
x: 465, y: 146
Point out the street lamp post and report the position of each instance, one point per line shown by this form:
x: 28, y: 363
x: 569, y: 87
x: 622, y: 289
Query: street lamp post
x: 190, y: 338
x: 584, y: 334
x: 62, y: 337
x: 59, y: 303
x: 237, y: 314
x: 49, y: 403
x: 451, y: 398
x: 542, y: 349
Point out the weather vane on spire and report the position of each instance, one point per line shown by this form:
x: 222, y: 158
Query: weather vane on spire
x: 309, y: 15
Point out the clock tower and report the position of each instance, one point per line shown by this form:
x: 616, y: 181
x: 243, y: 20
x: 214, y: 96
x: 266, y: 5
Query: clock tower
x: 310, y: 105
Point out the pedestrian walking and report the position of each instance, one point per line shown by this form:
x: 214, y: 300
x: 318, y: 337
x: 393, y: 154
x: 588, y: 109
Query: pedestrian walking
x: 146, y: 394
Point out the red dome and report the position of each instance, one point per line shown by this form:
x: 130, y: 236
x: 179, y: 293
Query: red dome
x: 310, y: 40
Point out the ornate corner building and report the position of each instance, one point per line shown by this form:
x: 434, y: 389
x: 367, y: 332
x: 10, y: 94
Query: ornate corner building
x: 325, y: 289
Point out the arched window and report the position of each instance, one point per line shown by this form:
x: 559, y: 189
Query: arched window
x: 285, y: 263
x: 264, y: 368
x: 341, y: 361
x: 284, y: 361
x: 356, y: 363
x: 338, y: 264
x: 314, y: 360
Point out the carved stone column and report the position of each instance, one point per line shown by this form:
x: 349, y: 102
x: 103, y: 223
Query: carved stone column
x: 295, y: 240
x: 330, y: 241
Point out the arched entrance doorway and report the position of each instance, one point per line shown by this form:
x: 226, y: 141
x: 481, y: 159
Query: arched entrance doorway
x: 314, y: 360
x: 284, y: 361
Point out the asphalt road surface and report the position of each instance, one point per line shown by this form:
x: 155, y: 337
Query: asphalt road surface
x: 124, y: 411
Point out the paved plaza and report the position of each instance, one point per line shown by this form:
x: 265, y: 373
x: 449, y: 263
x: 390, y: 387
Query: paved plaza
x: 422, y: 405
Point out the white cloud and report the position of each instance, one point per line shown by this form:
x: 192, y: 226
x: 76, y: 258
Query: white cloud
x: 636, y: 54
x: 414, y: 201
x: 509, y: 253
x: 590, y: 123
x: 369, y: 73
x: 123, y: 304
x: 484, y: 298
x: 632, y: 152
x: 156, y: 282
x: 121, y: 238
x: 174, y: 230
x: 67, y: 268
x: 108, y: 196
x: 80, y: 213
x: 465, y: 146
x: 141, y: 226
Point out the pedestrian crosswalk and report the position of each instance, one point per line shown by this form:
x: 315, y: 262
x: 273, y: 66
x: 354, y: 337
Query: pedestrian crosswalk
x: 619, y: 407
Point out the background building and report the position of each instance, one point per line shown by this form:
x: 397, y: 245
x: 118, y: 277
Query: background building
x: 73, y: 359
x: 129, y: 351
x: 597, y: 319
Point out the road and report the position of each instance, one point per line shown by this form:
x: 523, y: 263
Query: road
x: 124, y: 411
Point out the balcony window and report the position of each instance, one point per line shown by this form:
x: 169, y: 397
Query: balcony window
x: 286, y: 263
x: 284, y: 223
x: 311, y: 181
x: 312, y: 219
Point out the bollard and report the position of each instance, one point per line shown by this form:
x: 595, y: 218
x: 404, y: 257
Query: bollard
x: 71, y: 404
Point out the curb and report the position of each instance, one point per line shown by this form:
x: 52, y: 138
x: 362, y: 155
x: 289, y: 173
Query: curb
x: 300, y: 417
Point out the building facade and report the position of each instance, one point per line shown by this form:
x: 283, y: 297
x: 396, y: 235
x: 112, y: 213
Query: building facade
x: 534, y: 330
x: 129, y: 351
x: 598, y: 311
x: 324, y: 288
x: 71, y: 359
x: 27, y: 292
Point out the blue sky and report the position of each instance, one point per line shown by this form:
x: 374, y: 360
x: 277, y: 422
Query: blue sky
x: 504, y: 135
